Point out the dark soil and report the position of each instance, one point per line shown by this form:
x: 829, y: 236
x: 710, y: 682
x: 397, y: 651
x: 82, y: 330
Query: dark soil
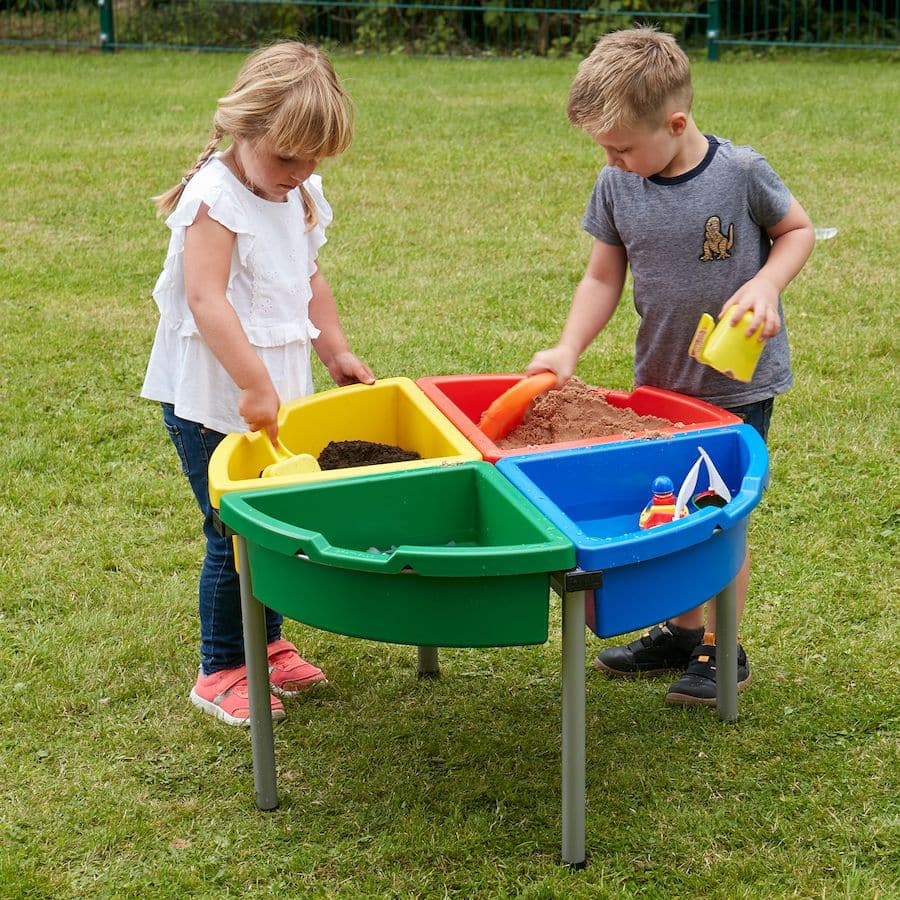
x: 346, y: 454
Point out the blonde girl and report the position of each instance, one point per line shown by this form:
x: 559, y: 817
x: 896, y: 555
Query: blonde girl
x: 242, y: 299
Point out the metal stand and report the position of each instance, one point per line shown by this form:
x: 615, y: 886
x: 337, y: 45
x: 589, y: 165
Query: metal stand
x: 573, y: 752
x: 428, y: 665
x: 726, y: 653
x: 571, y: 586
x: 262, y: 740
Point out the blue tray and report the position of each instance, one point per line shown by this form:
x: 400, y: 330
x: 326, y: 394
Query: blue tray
x: 595, y: 495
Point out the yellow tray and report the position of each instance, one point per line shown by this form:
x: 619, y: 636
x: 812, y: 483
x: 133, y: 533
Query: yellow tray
x: 392, y: 411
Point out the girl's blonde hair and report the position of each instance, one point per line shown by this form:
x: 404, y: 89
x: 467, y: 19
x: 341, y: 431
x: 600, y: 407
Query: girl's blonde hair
x: 289, y: 95
x: 630, y: 78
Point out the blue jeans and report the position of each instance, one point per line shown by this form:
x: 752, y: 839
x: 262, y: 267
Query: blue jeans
x: 221, y: 630
x: 758, y: 414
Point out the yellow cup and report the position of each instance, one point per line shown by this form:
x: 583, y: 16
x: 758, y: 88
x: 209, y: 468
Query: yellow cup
x: 726, y: 347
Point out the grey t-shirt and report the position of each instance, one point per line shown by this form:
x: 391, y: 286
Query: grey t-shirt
x: 682, y: 269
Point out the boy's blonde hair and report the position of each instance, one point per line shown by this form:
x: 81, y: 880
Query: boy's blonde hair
x: 630, y: 78
x: 289, y: 95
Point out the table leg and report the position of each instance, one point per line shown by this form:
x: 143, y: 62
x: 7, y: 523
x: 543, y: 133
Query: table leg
x: 726, y: 653
x: 261, y: 738
x: 573, y: 737
x: 428, y: 665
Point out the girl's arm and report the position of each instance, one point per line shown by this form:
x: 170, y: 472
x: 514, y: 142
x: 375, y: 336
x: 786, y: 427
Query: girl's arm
x: 793, y: 239
x: 331, y: 345
x: 593, y: 305
x: 207, y: 261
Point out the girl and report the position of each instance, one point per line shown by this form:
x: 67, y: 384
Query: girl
x: 241, y: 297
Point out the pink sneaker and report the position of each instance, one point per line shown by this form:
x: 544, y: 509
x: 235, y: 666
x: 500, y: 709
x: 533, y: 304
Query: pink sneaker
x: 289, y: 673
x: 224, y: 694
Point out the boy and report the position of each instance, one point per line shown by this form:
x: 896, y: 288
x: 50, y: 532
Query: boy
x: 705, y: 226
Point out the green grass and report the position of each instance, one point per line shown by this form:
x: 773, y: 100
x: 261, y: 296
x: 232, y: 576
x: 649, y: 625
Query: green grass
x: 455, y: 248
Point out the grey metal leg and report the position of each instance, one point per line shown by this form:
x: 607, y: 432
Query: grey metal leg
x: 726, y: 653
x: 261, y: 738
x: 428, y: 665
x: 573, y: 752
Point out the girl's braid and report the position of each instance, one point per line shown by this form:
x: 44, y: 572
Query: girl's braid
x: 166, y: 202
x: 310, y: 212
x: 206, y: 153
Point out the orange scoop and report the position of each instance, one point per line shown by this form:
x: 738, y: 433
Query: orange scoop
x: 508, y: 410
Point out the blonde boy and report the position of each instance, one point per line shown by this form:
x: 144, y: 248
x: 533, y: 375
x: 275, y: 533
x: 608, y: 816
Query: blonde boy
x: 705, y: 226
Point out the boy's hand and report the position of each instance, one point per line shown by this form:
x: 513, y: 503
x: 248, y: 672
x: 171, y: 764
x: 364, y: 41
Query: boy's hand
x: 561, y: 360
x: 258, y: 407
x: 348, y: 368
x: 760, y: 296
x: 792, y: 241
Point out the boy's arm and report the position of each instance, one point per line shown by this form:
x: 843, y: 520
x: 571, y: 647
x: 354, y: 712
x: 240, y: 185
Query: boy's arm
x: 793, y: 239
x: 331, y: 345
x: 207, y: 262
x: 593, y: 305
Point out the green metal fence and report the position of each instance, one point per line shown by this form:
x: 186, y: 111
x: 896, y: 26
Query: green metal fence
x: 851, y: 24
x: 497, y: 27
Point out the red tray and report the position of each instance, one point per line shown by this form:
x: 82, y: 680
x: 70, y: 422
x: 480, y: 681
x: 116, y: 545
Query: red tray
x: 464, y: 398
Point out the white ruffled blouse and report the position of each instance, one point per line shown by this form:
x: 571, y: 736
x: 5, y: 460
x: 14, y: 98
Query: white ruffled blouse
x: 273, y: 260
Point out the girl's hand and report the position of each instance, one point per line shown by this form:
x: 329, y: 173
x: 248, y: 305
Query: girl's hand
x: 760, y: 296
x: 348, y: 368
x: 258, y: 407
x: 561, y: 360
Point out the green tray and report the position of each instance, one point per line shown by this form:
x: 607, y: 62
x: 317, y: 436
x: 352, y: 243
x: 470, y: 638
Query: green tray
x: 451, y: 556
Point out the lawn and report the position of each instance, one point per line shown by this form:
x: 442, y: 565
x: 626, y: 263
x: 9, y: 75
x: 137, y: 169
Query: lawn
x: 455, y: 248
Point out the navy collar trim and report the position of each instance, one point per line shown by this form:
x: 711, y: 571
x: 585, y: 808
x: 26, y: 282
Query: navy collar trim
x: 693, y: 173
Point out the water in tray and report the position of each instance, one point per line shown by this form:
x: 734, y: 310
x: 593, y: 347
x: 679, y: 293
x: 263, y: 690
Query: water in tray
x: 609, y: 526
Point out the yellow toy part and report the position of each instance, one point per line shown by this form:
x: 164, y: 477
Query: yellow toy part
x: 726, y: 347
x: 392, y: 411
x: 290, y: 463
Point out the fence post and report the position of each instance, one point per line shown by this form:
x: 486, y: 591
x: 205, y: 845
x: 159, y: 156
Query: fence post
x: 712, y: 30
x: 107, y: 26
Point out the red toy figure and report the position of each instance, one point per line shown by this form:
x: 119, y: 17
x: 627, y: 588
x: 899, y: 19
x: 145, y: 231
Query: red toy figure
x: 661, y: 508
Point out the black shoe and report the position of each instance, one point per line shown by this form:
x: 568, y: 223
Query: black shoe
x: 663, y: 648
x: 698, y: 684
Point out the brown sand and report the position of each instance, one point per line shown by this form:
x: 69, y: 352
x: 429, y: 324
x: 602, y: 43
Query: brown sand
x: 575, y: 413
x: 346, y: 454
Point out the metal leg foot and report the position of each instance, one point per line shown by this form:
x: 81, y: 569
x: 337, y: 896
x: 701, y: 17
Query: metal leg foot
x: 428, y: 665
